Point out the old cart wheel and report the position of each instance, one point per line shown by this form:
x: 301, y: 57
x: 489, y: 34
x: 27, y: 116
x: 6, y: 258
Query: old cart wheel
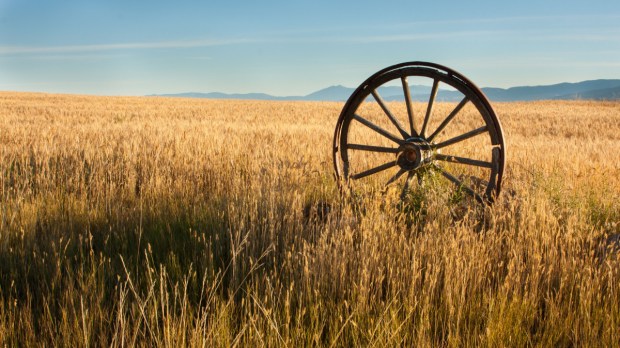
x: 424, y: 121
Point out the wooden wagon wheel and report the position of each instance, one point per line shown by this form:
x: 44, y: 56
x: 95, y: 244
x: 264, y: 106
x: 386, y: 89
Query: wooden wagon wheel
x: 420, y: 120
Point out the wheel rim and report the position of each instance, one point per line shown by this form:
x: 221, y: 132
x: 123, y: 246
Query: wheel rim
x: 440, y: 125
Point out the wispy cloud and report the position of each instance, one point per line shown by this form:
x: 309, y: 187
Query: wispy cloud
x: 16, y: 50
x: 529, y: 35
x: 67, y: 56
x: 580, y: 37
x: 96, y: 51
x: 543, y: 19
x: 416, y: 37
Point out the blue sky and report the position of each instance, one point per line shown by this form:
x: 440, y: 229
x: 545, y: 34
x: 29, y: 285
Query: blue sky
x: 296, y: 47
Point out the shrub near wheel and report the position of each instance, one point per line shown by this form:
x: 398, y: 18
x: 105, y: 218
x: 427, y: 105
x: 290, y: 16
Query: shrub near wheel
x: 420, y: 126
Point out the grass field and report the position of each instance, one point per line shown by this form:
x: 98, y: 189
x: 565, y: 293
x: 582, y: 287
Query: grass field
x: 170, y: 222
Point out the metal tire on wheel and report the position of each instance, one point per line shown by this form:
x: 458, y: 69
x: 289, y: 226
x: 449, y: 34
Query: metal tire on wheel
x: 431, y: 123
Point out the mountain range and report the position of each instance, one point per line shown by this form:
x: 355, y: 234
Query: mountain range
x: 585, y: 90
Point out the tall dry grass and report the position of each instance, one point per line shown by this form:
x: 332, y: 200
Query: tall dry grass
x: 168, y: 222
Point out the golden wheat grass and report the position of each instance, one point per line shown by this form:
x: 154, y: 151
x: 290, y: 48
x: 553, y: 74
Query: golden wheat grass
x: 187, y: 222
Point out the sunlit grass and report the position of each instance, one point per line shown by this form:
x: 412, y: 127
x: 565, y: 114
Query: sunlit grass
x: 151, y: 221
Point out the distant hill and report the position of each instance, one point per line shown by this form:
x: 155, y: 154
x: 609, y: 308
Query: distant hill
x: 590, y: 90
x: 594, y: 89
x: 597, y: 94
x: 333, y: 93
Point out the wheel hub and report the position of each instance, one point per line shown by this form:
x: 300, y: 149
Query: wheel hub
x: 415, y: 153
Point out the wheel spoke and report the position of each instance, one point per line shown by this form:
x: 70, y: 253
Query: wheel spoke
x: 372, y: 148
x: 378, y: 129
x: 448, y: 119
x: 461, y: 137
x: 403, y: 194
x: 461, y: 185
x: 494, y: 169
x: 403, y: 79
x: 389, y: 114
x: 373, y: 170
x: 463, y: 160
x: 429, y: 108
x: 396, y: 176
